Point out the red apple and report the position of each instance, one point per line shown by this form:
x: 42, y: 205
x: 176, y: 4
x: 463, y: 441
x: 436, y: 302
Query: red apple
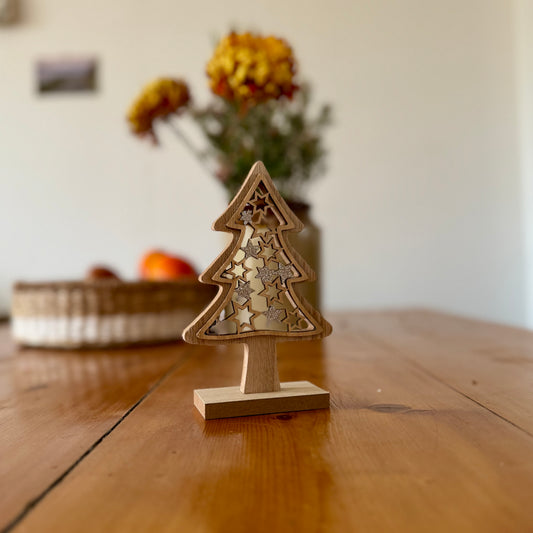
x: 100, y: 272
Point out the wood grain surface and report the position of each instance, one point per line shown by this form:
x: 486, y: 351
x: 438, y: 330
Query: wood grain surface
x: 410, y: 443
x: 54, y: 406
x: 489, y: 363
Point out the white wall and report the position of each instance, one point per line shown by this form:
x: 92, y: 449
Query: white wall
x: 422, y: 203
x: 524, y: 42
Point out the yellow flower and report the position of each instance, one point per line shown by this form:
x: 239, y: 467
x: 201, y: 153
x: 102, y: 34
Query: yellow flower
x: 158, y: 100
x: 251, y: 68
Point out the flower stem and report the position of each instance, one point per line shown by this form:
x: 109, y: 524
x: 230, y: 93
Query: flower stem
x: 187, y: 142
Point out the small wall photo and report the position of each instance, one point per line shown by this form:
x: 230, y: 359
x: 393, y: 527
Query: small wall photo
x: 66, y: 75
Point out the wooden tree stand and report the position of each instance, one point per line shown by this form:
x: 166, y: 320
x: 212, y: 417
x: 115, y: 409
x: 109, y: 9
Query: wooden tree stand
x: 260, y: 391
x: 257, y: 304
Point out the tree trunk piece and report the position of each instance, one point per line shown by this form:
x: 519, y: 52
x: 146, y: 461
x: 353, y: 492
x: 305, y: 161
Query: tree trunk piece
x: 260, y: 366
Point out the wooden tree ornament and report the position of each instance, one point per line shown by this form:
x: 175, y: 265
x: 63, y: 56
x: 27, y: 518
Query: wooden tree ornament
x: 257, y: 305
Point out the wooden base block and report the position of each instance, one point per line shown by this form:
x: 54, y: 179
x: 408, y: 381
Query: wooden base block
x: 228, y: 402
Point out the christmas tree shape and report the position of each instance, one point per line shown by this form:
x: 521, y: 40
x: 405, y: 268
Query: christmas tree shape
x: 257, y: 304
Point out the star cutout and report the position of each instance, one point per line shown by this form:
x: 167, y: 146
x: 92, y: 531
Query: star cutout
x: 271, y: 292
x: 274, y: 314
x: 293, y: 320
x: 268, y: 250
x: 243, y: 317
x: 251, y: 250
x: 239, y: 269
x: 246, y: 216
x: 260, y: 202
x: 266, y: 275
x: 244, y: 290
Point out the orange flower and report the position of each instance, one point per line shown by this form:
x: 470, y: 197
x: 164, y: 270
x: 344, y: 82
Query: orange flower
x: 158, y: 100
x: 251, y: 68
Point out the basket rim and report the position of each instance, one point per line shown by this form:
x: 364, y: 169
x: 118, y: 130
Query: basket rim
x: 107, y: 284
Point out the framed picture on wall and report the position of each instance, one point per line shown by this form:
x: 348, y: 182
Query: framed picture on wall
x: 66, y: 75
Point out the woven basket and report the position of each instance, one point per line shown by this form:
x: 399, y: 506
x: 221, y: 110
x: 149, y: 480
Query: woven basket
x: 104, y: 313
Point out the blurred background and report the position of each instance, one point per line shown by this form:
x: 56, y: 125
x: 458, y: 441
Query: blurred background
x: 427, y: 199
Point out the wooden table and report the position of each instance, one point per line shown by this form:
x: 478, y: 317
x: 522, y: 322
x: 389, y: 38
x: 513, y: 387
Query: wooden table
x: 430, y: 429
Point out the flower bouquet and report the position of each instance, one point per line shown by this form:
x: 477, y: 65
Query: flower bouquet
x: 259, y: 112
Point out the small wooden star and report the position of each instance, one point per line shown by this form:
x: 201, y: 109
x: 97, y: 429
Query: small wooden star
x: 242, y: 317
x: 293, y: 320
x: 271, y: 292
x: 251, y: 250
x: 267, y: 249
x: 239, y: 269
